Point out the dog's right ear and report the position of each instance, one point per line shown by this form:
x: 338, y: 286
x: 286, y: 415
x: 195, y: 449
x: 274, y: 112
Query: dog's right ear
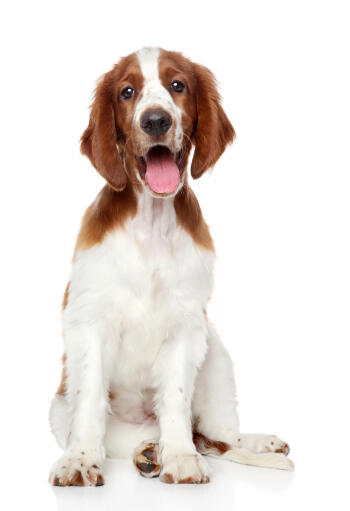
x: 99, y: 140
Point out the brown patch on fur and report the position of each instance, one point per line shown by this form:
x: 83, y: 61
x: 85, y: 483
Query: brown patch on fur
x: 56, y: 482
x: 167, y: 478
x: 187, y: 480
x: 93, y: 479
x: 111, y: 395
x: 284, y: 449
x: 110, y: 210
x: 77, y: 479
x: 189, y: 216
x: 62, y: 386
x: 66, y: 296
x: 191, y: 480
x: 205, y: 446
x: 100, y: 481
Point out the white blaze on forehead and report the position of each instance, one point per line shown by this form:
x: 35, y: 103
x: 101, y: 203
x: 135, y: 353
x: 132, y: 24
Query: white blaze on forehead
x: 154, y: 94
x: 148, y: 60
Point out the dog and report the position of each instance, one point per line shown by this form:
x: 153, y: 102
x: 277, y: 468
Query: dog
x: 145, y: 375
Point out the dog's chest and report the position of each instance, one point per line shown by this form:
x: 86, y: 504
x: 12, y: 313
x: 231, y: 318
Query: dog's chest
x: 170, y: 277
x: 142, y: 281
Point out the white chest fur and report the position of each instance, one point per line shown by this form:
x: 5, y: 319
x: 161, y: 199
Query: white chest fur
x: 136, y: 286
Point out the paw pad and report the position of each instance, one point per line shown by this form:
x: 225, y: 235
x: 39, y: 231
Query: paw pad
x: 146, y: 461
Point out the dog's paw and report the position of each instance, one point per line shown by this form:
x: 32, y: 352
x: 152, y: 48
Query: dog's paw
x: 146, y: 459
x: 79, y: 469
x: 262, y: 443
x: 184, y: 468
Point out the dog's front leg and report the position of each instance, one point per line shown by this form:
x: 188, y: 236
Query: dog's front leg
x: 81, y: 463
x: 176, y: 370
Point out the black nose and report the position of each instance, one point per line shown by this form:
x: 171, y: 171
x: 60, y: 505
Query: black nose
x: 155, y: 122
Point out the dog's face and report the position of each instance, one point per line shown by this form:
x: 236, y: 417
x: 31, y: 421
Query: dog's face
x: 147, y: 112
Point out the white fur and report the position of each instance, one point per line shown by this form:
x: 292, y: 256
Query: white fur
x: 155, y: 95
x: 135, y: 325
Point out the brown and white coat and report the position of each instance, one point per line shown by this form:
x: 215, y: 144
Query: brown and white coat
x: 145, y: 374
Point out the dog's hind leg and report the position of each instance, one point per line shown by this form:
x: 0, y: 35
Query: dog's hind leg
x: 214, y: 405
x: 229, y: 452
x: 216, y: 425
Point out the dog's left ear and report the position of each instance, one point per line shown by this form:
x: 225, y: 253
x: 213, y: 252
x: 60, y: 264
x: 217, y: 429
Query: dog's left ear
x: 213, y: 130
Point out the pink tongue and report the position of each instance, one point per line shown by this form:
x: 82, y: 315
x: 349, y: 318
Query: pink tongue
x: 162, y: 173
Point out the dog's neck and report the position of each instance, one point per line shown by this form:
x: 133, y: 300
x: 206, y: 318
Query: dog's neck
x: 151, y: 219
x: 156, y: 217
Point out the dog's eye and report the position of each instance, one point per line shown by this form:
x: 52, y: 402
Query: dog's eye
x: 178, y: 86
x: 127, y: 92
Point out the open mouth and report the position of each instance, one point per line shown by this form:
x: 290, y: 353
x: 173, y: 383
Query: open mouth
x: 161, y: 169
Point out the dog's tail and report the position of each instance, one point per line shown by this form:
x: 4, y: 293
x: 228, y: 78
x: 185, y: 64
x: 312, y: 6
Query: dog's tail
x: 224, y: 451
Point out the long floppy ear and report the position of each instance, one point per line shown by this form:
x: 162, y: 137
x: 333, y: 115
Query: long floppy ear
x: 99, y: 140
x: 213, y: 130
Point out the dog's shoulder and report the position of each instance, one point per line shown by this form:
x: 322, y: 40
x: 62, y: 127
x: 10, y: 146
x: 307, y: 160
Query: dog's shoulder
x: 189, y: 216
x: 109, y: 211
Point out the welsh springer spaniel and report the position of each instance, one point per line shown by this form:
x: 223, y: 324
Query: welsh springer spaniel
x: 145, y: 375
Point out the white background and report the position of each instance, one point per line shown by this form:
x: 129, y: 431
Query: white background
x: 277, y: 204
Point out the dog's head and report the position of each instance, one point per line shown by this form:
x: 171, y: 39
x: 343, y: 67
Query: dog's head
x: 147, y: 112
